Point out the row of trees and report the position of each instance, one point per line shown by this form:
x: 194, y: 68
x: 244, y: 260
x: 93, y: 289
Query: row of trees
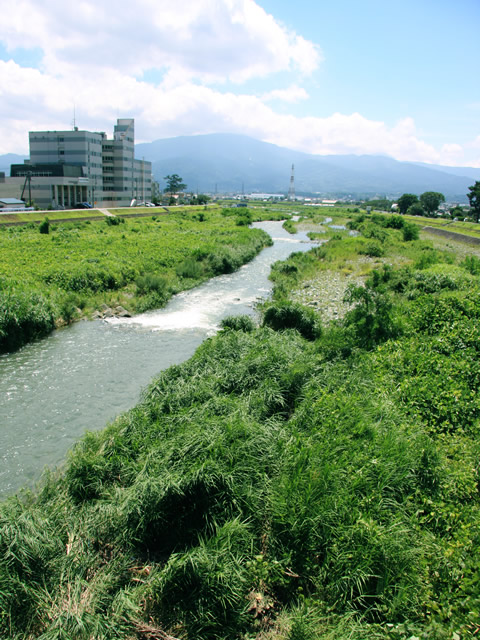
x: 428, y: 203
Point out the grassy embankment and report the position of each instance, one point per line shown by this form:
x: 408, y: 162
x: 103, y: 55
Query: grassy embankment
x: 290, y: 482
x: 47, y: 279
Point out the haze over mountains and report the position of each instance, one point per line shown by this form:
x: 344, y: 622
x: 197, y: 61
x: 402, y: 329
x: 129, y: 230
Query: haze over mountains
x: 226, y: 162
x: 231, y: 163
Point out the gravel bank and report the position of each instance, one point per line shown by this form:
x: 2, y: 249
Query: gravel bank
x: 324, y: 293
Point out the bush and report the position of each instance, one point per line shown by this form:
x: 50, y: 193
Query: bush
x: 190, y: 268
x: 416, y: 209
x: 238, y: 323
x: 151, y: 283
x: 395, y: 222
x: 373, y: 250
x: 25, y: 315
x: 113, y: 221
x: 289, y: 226
x: 410, y: 232
x: 289, y: 315
x: 45, y: 226
x: 244, y: 219
x: 371, y: 320
x: 223, y: 261
x: 472, y: 265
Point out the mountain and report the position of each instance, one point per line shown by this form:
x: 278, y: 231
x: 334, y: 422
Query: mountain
x: 469, y: 172
x: 232, y: 163
x: 228, y: 162
x: 10, y: 158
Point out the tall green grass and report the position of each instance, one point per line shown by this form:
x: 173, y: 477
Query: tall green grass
x: 276, y: 486
x: 79, y: 266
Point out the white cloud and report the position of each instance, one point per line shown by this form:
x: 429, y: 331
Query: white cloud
x: 96, y: 54
x: 292, y: 94
x: 189, y: 108
x: 212, y: 40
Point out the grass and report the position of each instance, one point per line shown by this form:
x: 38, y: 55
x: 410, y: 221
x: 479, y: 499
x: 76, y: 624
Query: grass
x: 276, y: 486
x: 75, y: 267
x: 38, y: 216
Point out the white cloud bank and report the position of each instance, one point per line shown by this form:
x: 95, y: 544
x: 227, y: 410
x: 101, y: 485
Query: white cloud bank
x: 95, y: 55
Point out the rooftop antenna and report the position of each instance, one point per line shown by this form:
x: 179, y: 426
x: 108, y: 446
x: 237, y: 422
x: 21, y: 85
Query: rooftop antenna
x: 291, y: 190
x: 75, y: 128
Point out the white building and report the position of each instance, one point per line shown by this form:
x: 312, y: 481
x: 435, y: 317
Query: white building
x: 67, y: 168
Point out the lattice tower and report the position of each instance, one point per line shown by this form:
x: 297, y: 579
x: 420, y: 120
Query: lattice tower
x: 291, y: 190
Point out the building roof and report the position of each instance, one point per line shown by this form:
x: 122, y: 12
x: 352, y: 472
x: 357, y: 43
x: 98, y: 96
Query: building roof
x: 11, y: 201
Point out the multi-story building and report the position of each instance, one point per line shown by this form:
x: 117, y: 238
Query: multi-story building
x: 67, y: 168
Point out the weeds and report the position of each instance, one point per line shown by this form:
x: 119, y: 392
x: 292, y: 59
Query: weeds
x: 285, y: 483
x: 81, y: 264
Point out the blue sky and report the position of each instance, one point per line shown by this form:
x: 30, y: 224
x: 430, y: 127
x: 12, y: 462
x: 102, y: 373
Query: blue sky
x: 396, y: 78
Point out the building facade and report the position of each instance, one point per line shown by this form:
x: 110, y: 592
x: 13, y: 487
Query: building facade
x: 67, y: 168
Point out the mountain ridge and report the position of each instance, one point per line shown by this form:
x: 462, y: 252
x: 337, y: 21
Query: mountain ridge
x: 226, y: 163
x: 234, y: 163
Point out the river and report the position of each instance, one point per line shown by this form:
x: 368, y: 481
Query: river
x: 83, y: 376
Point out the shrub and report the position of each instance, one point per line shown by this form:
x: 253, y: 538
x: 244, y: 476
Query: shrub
x: 190, y: 268
x: 472, y: 265
x: 45, y: 226
x: 244, y: 219
x: 151, y: 282
x: 289, y: 226
x: 410, y: 232
x: 289, y: 315
x: 238, y: 323
x: 395, y: 222
x: 373, y: 250
x: 416, y: 209
x: 113, y: 221
x: 223, y: 261
x: 371, y: 319
x: 24, y: 316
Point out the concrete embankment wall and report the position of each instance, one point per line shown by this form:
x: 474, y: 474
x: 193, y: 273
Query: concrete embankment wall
x: 452, y: 235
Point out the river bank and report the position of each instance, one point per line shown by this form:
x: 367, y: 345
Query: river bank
x: 84, y: 375
x: 277, y: 486
x: 53, y: 278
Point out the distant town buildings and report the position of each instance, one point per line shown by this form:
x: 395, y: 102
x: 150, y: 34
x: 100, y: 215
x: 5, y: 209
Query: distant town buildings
x: 68, y: 168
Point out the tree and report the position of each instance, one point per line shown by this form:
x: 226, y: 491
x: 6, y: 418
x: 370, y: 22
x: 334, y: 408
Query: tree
x: 174, y: 184
x: 431, y: 200
x: 474, y: 199
x: 406, y: 201
x: 457, y: 212
x: 203, y: 199
x: 415, y: 209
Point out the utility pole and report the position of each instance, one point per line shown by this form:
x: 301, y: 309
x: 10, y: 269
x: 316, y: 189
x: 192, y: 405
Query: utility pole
x: 291, y: 190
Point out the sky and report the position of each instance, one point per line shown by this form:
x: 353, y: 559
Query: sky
x: 385, y: 77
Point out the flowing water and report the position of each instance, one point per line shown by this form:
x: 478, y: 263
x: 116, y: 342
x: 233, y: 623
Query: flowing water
x: 83, y: 376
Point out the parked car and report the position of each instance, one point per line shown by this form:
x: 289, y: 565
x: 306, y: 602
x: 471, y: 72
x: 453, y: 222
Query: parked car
x: 83, y: 205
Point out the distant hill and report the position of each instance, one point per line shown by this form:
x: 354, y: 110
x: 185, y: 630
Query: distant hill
x: 226, y: 162
x: 230, y: 162
x: 10, y: 158
x: 469, y: 172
